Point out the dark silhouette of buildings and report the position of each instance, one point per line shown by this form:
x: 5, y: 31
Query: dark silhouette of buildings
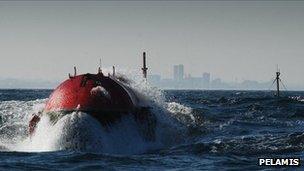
x: 182, y: 81
x: 178, y: 72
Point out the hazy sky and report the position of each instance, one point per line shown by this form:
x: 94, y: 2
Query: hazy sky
x: 243, y: 40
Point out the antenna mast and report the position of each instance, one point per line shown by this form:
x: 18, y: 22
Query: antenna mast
x: 144, y: 68
x: 99, y: 68
x: 278, y: 82
x: 113, y: 67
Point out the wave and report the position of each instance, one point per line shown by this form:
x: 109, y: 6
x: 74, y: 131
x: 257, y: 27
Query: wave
x: 245, y: 145
x: 81, y: 132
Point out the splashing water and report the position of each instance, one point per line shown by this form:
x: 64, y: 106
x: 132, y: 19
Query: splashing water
x: 231, y: 130
x: 80, y: 131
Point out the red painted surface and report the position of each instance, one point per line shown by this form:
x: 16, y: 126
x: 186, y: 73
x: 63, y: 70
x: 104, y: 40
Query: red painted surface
x: 77, y: 93
x: 104, y: 98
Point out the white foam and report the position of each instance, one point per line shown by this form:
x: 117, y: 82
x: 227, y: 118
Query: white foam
x: 79, y: 131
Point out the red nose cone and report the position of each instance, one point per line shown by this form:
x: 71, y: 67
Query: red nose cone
x: 90, y: 93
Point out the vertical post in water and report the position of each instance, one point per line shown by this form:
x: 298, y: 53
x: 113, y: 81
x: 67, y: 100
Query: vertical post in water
x: 75, y: 71
x: 278, y: 83
x: 144, y: 68
x: 113, y: 71
x: 99, y: 68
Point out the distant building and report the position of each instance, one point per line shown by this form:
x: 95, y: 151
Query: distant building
x: 206, y: 80
x: 216, y: 83
x: 178, y: 72
x: 154, y: 79
x: 192, y: 82
x: 168, y: 84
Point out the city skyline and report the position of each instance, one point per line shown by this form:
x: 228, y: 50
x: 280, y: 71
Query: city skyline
x: 180, y: 79
x: 233, y: 40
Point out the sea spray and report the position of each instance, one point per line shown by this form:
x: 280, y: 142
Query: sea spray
x: 81, y: 132
x: 15, y: 117
x: 258, y: 125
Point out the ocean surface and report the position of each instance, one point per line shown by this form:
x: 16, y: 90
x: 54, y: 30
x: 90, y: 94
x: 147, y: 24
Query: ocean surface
x: 196, y: 130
